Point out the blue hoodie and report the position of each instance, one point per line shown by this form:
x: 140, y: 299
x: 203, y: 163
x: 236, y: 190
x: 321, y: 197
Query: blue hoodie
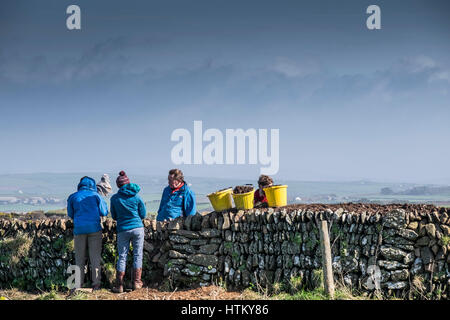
x: 85, y: 207
x: 128, y: 208
x: 176, y: 204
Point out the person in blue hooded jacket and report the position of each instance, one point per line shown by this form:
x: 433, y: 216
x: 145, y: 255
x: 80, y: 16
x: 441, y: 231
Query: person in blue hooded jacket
x: 177, y: 199
x: 128, y: 209
x: 85, y: 207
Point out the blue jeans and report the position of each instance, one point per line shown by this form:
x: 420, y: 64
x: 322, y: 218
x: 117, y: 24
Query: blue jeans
x: 136, y: 236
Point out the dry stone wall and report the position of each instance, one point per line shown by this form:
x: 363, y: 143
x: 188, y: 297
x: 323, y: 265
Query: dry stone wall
x: 405, y: 247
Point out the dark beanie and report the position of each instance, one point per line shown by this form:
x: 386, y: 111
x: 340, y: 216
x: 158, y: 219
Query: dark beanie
x: 122, y: 179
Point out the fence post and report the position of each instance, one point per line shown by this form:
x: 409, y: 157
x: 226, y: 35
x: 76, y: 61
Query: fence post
x: 326, y: 259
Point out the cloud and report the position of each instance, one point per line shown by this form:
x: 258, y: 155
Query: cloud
x: 290, y: 68
x: 129, y: 63
x: 110, y: 58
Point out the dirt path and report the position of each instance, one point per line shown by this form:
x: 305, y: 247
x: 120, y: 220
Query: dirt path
x: 201, y: 293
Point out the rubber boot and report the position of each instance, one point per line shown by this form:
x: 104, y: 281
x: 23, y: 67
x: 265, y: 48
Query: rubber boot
x: 137, y: 282
x: 118, y: 286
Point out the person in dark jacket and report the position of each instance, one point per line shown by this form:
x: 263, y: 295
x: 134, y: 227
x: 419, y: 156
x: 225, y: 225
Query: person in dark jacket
x: 260, y: 199
x: 177, y: 198
x: 128, y: 209
x: 85, y: 207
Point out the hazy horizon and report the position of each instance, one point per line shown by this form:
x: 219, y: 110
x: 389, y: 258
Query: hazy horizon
x: 94, y: 175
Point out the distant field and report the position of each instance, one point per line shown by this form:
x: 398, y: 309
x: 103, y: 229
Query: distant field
x: 60, y: 186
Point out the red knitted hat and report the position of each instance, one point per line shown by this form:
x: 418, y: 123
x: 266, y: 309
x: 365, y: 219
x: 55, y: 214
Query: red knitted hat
x: 122, y: 179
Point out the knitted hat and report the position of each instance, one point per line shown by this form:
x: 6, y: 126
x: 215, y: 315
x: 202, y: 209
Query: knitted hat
x: 122, y: 179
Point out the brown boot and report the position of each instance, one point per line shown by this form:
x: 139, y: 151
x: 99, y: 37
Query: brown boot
x: 137, y: 282
x: 118, y: 286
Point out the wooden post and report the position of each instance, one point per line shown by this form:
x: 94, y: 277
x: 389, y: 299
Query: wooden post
x: 326, y: 259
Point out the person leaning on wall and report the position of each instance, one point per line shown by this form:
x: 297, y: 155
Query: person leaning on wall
x: 177, y: 199
x: 260, y: 199
x: 85, y: 207
x: 128, y: 209
x: 104, y: 186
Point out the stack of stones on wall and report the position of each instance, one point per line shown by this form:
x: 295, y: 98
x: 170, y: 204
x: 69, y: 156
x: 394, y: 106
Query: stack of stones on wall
x: 408, y: 251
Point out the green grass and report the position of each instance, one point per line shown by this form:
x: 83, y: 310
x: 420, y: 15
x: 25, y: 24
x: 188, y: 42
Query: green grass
x: 445, y: 240
x: 14, y: 249
x: 303, y: 294
x: 78, y: 295
x: 52, y: 295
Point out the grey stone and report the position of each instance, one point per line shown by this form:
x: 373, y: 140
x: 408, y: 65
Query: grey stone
x: 205, y: 222
x: 203, y: 260
x: 413, y: 225
x: 210, y: 233
x: 228, y: 236
x: 395, y: 219
x: 445, y: 230
x: 187, y: 233
x: 187, y: 222
x: 396, y: 285
x: 177, y: 262
x: 226, y: 222
x: 206, y: 277
x: 209, y: 269
x: 426, y: 255
x: 392, y: 253
x: 196, y: 223
x: 148, y: 246
x: 399, y: 275
x: 431, y: 230
x: 178, y: 239
x: 391, y: 265
x: 417, y: 266
x: 409, y: 258
x: 184, y: 248
x: 175, y: 224
x: 191, y: 270
x: 177, y: 255
x: 423, y: 241
x: 209, y: 248
x: 408, y: 234
x: 198, y: 242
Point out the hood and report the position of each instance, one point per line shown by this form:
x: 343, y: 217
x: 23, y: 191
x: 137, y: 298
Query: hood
x: 130, y: 189
x: 87, y: 183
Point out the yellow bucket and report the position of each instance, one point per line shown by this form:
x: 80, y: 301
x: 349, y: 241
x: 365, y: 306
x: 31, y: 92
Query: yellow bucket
x: 221, y: 200
x: 276, y: 195
x: 244, y: 201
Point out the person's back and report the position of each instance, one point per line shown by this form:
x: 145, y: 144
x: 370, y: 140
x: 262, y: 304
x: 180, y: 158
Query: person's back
x: 128, y: 208
x: 85, y: 207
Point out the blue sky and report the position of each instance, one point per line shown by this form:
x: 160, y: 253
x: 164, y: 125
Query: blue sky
x: 350, y: 103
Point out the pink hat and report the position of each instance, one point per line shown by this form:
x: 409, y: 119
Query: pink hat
x: 122, y: 179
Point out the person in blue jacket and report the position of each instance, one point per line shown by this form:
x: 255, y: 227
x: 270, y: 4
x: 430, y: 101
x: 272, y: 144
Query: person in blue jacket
x: 177, y: 198
x: 128, y: 209
x: 85, y: 207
